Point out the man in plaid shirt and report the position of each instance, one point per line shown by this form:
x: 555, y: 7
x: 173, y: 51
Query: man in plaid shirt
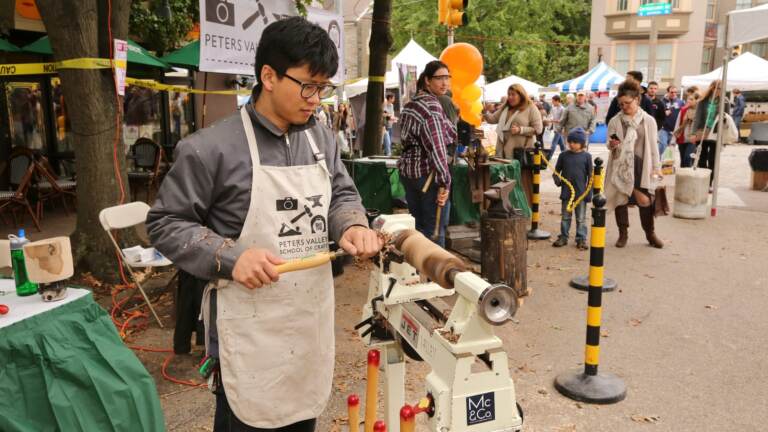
x: 425, y: 133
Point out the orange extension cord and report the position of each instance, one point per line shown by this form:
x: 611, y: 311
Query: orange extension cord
x: 124, y: 320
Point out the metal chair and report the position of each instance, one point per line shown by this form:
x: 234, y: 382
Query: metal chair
x: 146, y: 155
x: 127, y: 216
x: 50, y: 186
x: 22, y: 170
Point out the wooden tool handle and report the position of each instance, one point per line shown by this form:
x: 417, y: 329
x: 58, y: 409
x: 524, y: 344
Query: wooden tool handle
x: 306, y: 263
x: 436, y: 233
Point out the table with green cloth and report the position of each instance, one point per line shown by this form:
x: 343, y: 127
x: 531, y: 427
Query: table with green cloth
x: 63, y: 367
x: 378, y: 182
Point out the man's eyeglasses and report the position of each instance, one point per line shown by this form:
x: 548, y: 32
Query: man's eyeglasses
x: 310, y: 89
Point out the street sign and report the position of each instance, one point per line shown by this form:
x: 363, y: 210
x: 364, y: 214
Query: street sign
x: 653, y: 9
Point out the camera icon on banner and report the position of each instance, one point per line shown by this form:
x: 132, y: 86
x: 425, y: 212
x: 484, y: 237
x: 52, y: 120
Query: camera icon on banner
x: 220, y: 12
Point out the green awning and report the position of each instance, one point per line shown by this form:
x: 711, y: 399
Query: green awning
x: 7, y: 46
x: 136, y: 53
x: 188, y: 55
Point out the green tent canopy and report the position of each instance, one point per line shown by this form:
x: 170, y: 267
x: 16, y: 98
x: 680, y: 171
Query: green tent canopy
x: 136, y: 53
x: 187, y: 56
x: 7, y: 46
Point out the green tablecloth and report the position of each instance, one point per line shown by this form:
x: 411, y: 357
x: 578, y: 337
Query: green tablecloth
x: 67, y: 370
x: 378, y: 185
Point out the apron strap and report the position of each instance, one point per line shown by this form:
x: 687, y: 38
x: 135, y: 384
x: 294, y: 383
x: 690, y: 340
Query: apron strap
x: 250, y: 136
x: 319, y: 156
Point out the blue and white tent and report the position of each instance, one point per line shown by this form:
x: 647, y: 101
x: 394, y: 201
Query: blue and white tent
x: 600, y: 78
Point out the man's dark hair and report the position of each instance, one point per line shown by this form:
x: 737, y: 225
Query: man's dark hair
x: 295, y: 42
x: 631, y: 89
x: 390, y: 96
x: 637, y: 75
x: 653, y: 83
x: 556, y: 98
x: 429, y: 71
x: 670, y: 87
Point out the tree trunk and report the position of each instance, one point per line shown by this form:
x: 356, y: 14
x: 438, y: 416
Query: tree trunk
x: 381, y: 41
x: 78, y: 29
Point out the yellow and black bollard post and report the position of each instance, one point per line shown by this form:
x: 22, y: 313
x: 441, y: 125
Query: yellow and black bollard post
x: 582, y: 282
x: 588, y: 385
x: 535, y: 233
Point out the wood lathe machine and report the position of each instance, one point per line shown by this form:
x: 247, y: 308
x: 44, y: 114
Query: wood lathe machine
x: 469, y: 387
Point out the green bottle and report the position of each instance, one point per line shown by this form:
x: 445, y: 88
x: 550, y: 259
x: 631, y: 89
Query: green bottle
x: 23, y: 286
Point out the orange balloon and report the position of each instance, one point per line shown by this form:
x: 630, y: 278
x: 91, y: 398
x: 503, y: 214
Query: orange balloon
x: 471, y: 93
x: 473, y: 119
x: 456, y: 94
x: 464, y: 62
x: 476, y: 108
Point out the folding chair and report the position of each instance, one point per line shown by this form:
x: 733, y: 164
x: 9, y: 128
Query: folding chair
x: 127, y: 216
x: 18, y: 198
x: 49, y: 186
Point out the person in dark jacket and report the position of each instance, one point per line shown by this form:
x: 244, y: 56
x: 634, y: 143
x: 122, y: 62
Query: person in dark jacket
x: 645, y: 102
x: 575, y: 165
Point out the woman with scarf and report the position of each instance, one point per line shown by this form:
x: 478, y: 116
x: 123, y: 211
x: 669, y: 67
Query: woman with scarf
x: 706, y: 121
x: 634, y: 168
x: 519, y: 122
x: 425, y: 133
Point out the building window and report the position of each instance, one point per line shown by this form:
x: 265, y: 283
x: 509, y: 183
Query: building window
x: 621, y: 60
x: 621, y: 5
x: 641, y: 60
x: 711, y: 9
x: 759, y: 49
x: 664, y: 60
x: 743, y: 4
x: 706, y: 59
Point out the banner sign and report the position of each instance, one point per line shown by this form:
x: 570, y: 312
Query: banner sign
x: 121, y: 57
x: 230, y: 31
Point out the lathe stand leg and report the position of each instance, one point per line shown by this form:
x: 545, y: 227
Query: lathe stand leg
x: 394, y: 386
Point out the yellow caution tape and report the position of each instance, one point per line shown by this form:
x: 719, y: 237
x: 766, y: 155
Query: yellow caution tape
x: 573, y: 201
x: 53, y: 67
x: 101, y: 63
x: 376, y: 79
x: 152, y: 84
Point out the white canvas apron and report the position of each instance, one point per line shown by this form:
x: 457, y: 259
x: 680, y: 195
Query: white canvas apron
x: 276, y: 343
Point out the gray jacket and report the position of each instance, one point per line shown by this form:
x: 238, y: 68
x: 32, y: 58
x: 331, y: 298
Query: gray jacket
x: 205, y: 196
x: 578, y: 116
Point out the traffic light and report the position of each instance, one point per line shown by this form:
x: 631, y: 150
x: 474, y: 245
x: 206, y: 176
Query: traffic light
x: 451, y: 12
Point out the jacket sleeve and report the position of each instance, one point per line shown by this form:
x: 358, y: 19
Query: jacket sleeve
x: 176, y: 222
x: 536, y: 124
x: 591, y: 126
x: 613, y: 109
x: 558, y: 168
x: 564, y: 121
x: 493, y: 118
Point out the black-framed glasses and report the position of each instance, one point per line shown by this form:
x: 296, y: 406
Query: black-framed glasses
x: 310, y: 89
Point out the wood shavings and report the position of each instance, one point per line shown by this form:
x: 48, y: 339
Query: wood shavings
x: 227, y: 243
x: 449, y: 335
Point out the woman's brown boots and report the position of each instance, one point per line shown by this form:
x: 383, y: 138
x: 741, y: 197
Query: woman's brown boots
x: 647, y: 222
x: 622, y: 220
x: 646, y: 219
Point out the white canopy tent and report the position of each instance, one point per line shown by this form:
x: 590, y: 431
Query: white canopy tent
x: 496, y: 90
x: 361, y: 86
x: 600, y: 78
x: 412, y: 54
x: 746, y: 72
